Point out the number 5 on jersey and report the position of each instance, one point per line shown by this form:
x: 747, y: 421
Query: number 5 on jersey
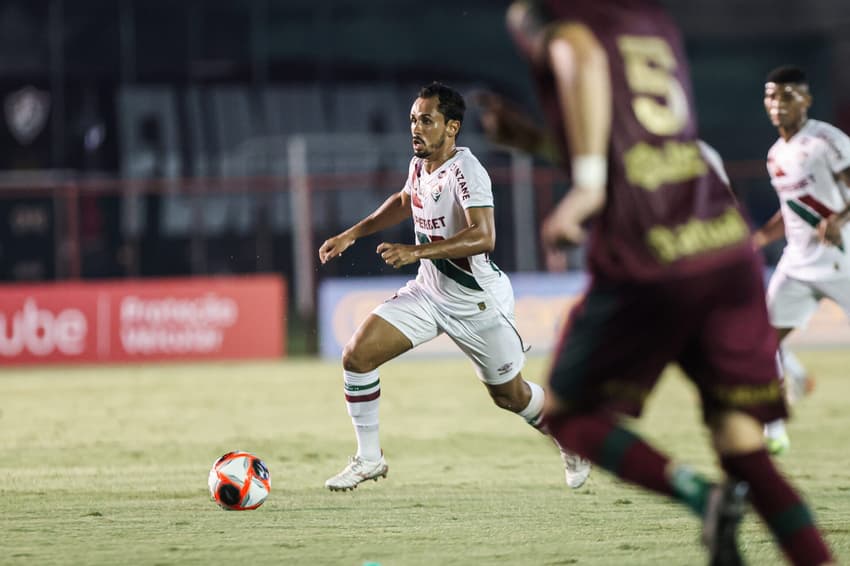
x: 650, y: 64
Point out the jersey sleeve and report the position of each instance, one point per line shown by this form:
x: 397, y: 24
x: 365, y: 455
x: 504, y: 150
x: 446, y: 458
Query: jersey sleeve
x: 472, y: 185
x: 714, y: 160
x: 838, y: 149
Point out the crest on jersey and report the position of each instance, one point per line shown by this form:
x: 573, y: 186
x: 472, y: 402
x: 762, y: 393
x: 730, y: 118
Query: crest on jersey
x: 26, y: 112
x: 436, y: 192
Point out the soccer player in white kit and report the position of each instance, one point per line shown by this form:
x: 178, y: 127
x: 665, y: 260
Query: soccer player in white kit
x: 809, y: 167
x: 458, y: 290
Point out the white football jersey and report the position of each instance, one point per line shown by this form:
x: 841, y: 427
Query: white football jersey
x: 460, y: 286
x: 803, y: 170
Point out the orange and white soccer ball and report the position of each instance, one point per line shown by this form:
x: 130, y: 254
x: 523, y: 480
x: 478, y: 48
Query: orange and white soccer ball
x: 239, y: 481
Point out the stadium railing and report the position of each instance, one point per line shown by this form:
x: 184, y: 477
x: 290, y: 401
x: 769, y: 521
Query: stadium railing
x: 63, y: 226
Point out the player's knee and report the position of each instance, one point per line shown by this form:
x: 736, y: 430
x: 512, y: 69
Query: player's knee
x: 357, y: 359
x: 734, y: 432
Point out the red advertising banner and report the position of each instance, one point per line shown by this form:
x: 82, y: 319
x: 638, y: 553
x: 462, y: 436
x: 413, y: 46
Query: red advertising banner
x: 143, y: 320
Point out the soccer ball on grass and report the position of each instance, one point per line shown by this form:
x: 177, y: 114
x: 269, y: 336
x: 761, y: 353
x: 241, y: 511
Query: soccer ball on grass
x: 239, y: 481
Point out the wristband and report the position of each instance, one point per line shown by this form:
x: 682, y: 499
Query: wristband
x: 590, y: 171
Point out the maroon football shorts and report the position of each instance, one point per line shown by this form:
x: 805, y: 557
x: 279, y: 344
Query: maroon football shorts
x: 621, y: 336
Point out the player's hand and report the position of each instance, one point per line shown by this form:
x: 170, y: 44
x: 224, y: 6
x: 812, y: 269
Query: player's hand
x: 561, y: 228
x: 397, y: 255
x: 333, y: 247
x: 559, y: 233
x: 505, y: 123
x: 829, y: 230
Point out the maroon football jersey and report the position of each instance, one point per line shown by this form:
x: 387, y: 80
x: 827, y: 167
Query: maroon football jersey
x: 668, y: 213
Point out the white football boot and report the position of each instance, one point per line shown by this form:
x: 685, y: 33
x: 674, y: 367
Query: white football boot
x: 576, y: 468
x: 356, y: 472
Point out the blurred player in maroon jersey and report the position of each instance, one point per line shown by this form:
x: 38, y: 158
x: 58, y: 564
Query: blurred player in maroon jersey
x: 675, y: 278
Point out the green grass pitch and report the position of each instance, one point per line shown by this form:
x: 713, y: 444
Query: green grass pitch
x: 109, y: 466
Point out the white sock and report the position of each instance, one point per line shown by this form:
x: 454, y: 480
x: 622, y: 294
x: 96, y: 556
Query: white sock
x: 362, y: 396
x: 793, y: 368
x: 775, y: 429
x: 533, y: 412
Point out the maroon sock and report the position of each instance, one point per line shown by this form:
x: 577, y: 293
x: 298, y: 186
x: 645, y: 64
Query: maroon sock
x: 598, y: 438
x: 781, y: 508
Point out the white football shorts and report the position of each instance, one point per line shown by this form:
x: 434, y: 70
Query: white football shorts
x: 489, y: 338
x: 791, y: 302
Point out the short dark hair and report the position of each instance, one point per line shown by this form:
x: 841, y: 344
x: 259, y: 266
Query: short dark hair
x: 787, y: 74
x: 451, y: 103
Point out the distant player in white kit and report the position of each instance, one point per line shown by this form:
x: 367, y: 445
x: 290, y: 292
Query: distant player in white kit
x: 458, y: 290
x: 809, y: 167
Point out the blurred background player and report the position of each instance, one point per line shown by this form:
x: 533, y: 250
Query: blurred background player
x: 675, y: 277
x: 809, y: 167
x: 458, y: 290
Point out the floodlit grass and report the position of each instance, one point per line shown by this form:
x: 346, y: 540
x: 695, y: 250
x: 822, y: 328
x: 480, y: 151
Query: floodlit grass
x: 109, y: 466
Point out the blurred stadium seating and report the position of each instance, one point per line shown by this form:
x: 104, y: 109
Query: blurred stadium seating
x: 161, y: 135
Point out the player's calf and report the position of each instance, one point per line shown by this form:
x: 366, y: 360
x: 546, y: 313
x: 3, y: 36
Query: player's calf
x: 526, y: 399
x: 780, y: 506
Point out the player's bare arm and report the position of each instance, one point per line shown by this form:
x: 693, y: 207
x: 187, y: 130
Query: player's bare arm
x: 581, y: 71
x: 772, y: 230
x: 393, y: 211
x: 829, y: 229
x: 478, y: 237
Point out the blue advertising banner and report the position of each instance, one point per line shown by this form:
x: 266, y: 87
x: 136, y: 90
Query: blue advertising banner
x: 543, y: 301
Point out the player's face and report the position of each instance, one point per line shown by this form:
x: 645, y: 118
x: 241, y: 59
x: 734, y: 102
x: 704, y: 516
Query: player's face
x: 429, y: 128
x: 787, y: 105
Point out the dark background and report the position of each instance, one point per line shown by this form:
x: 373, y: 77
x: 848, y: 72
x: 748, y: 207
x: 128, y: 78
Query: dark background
x: 170, y: 90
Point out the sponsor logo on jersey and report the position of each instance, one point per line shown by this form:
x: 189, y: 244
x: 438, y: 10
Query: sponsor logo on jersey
x: 651, y: 167
x: 505, y: 368
x: 461, y: 182
x: 429, y: 223
x: 697, y: 236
